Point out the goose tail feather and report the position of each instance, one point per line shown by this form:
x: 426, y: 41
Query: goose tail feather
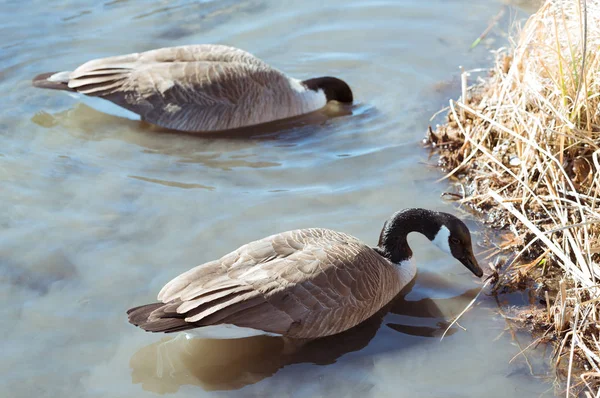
x: 157, y: 317
x: 53, y: 81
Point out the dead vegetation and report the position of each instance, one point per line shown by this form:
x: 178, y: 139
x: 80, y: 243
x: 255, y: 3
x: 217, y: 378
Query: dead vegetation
x: 524, y: 146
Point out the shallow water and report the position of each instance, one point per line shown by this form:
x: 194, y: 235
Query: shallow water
x: 100, y: 211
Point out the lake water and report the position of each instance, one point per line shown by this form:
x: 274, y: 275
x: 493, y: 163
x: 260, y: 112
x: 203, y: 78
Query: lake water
x: 99, y: 212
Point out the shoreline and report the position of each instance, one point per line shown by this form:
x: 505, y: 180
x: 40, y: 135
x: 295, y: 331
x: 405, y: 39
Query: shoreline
x: 523, y: 146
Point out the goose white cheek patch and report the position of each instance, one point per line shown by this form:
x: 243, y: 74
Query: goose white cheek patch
x: 312, y: 100
x: 441, y: 239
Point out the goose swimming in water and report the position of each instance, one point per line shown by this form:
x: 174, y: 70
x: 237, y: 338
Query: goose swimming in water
x: 198, y: 88
x: 300, y: 284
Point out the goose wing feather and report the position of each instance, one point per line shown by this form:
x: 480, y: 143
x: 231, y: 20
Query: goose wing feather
x: 191, y: 88
x: 294, y: 283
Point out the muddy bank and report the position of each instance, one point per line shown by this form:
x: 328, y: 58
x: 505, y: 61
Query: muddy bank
x: 522, y: 146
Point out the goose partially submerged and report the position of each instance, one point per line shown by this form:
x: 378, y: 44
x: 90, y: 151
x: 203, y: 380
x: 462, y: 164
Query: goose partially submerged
x: 199, y: 88
x: 302, y: 284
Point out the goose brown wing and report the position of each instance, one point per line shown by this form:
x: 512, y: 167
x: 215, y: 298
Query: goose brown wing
x: 189, y: 88
x: 303, y: 283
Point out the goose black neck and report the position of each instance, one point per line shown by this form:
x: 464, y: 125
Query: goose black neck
x: 334, y: 88
x: 392, y: 240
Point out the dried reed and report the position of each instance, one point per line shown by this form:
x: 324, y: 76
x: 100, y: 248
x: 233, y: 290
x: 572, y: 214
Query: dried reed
x: 525, y: 142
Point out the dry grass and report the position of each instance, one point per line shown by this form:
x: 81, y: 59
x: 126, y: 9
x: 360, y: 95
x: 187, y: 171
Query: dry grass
x: 525, y: 145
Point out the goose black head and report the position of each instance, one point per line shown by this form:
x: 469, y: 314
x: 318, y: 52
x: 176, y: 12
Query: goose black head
x: 445, y: 231
x: 454, y: 238
x: 334, y: 88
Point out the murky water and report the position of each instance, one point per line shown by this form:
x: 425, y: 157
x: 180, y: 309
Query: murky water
x: 99, y: 212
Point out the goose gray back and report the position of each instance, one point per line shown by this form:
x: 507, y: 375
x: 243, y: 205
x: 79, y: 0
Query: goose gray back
x: 198, y: 88
x: 305, y: 283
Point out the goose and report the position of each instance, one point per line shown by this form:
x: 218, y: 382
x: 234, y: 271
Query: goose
x: 198, y: 88
x: 300, y: 284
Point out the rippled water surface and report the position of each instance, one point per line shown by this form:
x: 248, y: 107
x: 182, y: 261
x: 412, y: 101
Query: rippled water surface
x: 99, y: 212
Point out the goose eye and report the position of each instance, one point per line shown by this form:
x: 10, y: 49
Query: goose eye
x: 455, y: 241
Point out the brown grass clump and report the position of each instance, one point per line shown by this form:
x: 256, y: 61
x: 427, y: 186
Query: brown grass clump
x: 525, y: 144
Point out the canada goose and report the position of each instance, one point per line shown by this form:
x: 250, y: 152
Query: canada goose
x: 300, y: 284
x: 198, y: 88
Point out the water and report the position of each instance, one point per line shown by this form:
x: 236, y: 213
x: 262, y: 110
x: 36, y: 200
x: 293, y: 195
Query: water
x: 100, y: 212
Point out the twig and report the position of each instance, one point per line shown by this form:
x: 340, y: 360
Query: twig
x: 466, y: 308
x: 573, y: 343
x: 487, y: 30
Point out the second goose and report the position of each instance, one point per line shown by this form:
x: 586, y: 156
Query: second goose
x: 198, y: 88
x: 305, y: 284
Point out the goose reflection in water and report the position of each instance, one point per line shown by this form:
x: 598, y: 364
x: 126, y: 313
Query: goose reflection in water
x: 100, y: 117
x: 220, y: 151
x: 163, y: 367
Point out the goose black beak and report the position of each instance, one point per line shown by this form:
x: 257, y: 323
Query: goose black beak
x: 471, y: 263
